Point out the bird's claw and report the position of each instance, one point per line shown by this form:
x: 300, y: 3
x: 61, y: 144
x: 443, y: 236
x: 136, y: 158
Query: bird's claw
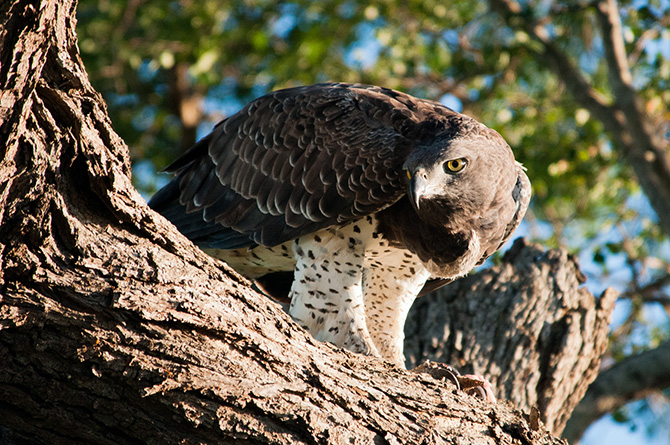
x: 477, y: 386
x: 474, y: 385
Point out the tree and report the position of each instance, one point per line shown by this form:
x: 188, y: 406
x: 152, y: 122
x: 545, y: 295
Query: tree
x: 579, y: 89
x: 115, y: 329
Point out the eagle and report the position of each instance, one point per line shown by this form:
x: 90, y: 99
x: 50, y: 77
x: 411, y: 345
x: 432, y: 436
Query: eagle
x: 370, y: 196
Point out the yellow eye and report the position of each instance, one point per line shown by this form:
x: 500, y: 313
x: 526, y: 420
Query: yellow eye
x: 455, y: 165
x: 409, y: 175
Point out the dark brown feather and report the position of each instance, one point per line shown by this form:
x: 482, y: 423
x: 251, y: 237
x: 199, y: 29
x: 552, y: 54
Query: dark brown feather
x: 313, y: 156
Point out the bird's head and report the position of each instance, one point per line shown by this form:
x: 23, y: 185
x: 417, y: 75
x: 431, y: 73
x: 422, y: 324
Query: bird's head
x: 461, y: 175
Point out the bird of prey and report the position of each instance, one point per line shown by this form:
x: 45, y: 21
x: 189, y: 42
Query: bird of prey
x: 367, y: 194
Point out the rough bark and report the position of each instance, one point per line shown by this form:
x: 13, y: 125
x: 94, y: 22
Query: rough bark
x: 115, y: 329
x: 526, y: 325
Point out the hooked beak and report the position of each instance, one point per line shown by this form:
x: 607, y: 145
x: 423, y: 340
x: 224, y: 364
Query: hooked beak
x: 417, y: 187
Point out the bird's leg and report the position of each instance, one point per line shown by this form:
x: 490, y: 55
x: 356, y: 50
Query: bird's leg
x: 390, y: 291
x: 392, y: 278
x: 326, y: 294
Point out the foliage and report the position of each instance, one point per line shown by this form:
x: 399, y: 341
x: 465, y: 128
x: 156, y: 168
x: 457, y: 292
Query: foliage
x: 461, y: 52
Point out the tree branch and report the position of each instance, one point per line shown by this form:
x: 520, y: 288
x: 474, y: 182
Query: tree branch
x: 649, y: 292
x: 647, y: 35
x: 619, y: 74
x: 633, y: 378
x: 624, y: 119
x: 186, y: 103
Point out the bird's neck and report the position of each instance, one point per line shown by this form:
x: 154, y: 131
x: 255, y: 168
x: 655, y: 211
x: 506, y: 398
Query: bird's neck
x: 448, y: 246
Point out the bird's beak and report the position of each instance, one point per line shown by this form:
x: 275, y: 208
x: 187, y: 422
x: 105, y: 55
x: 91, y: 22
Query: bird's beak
x: 417, y: 188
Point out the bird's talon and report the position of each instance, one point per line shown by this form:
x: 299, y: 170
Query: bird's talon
x: 453, y: 375
x: 477, y: 391
x: 477, y: 386
x: 473, y: 385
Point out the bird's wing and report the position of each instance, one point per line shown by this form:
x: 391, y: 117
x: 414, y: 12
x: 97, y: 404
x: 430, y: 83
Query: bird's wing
x: 295, y: 161
x: 520, y: 200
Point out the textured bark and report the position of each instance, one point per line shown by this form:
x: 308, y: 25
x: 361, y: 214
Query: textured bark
x: 115, y: 329
x: 526, y: 325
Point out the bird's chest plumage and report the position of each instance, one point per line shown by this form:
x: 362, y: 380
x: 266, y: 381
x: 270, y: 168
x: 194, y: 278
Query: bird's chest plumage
x: 358, y: 243
x: 351, y: 286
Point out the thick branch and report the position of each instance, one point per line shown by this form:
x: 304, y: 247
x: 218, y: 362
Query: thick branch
x: 646, y: 150
x: 619, y: 74
x: 633, y: 378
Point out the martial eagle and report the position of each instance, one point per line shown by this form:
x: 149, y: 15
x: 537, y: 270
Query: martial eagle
x: 367, y: 194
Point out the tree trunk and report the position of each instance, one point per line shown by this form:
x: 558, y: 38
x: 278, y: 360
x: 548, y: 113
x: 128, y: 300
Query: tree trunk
x: 525, y: 324
x: 115, y: 329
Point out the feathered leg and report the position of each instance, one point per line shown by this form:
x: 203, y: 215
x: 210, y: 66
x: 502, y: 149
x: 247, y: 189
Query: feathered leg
x: 326, y: 294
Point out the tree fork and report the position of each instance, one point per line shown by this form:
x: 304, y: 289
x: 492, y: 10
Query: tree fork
x: 115, y: 329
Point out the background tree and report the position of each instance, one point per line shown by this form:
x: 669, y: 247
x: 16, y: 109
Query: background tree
x: 579, y: 89
x: 551, y: 77
x: 115, y: 329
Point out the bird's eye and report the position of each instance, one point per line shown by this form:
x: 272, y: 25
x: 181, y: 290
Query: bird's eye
x: 455, y: 165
